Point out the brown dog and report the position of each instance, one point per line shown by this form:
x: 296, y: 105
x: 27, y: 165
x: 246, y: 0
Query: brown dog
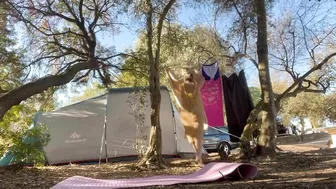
x: 187, y: 91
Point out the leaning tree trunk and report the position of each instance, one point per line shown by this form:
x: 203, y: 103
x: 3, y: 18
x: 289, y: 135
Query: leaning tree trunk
x: 252, y: 124
x: 25, y: 91
x: 266, y: 142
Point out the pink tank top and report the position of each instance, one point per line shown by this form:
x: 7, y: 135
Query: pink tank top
x: 212, y: 95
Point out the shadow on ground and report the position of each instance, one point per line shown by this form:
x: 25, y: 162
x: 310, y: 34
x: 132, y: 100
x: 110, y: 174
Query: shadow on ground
x: 312, y: 169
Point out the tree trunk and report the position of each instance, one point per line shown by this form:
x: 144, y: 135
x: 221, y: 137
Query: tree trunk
x: 302, y: 129
x: 266, y: 142
x: 252, y: 123
x: 153, y: 155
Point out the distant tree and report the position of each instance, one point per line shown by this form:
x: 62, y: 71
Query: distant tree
x: 11, y: 66
x: 329, y: 107
x: 256, y: 94
x: 304, y: 106
x: 91, y: 91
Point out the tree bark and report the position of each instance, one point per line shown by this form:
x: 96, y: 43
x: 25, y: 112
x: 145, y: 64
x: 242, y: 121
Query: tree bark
x: 252, y: 124
x: 16, y: 96
x: 153, y: 156
x: 302, y: 128
x: 266, y: 142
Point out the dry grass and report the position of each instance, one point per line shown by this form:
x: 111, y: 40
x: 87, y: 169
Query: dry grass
x: 312, y: 169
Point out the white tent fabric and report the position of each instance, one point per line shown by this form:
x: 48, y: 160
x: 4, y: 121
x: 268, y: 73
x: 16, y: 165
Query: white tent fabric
x: 121, y: 126
x: 76, y: 131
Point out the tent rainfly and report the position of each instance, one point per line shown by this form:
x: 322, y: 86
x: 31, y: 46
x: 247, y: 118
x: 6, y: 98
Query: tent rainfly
x: 103, y: 128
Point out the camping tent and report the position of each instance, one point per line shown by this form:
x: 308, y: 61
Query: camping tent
x: 103, y: 127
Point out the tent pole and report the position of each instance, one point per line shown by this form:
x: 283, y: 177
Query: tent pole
x: 102, y: 141
x: 175, y: 130
x: 106, y: 158
x: 105, y: 124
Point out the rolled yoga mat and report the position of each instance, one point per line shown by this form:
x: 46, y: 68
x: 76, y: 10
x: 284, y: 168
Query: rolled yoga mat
x: 210, y: 172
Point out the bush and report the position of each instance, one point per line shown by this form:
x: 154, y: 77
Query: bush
x: 28, y: 149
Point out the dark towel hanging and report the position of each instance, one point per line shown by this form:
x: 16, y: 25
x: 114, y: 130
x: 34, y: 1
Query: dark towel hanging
x: 238, y: 103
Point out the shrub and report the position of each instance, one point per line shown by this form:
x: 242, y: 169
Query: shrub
x: 28, y: 149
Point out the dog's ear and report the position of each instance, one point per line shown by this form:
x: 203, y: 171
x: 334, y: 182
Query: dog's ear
x: 196, y: 68
x: 196, y: 71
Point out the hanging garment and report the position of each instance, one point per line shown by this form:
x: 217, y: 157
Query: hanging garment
x: 238, y: 103
x: 212, y: 95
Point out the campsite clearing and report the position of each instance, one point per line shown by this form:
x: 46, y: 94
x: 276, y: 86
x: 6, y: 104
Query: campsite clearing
x: 309, y: 169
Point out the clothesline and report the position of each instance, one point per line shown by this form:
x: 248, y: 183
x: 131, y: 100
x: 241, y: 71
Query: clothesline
x: 225, y: 96
x: 224, y: 132
x: 217, y: 129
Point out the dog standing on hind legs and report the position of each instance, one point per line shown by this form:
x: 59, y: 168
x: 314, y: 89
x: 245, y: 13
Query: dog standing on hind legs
x: 187, y: 91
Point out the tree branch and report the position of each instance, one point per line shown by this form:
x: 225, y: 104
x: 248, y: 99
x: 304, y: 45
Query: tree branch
x: 81, y: 11
x: 81, y: 77
x: 149, y: 27
x: 78, y: 22
x: 302, y: 78
x: 251, y: 59
x: 244, y: 26
x: 160, y: 23
x: 52, y: 12
x: 25, y: 91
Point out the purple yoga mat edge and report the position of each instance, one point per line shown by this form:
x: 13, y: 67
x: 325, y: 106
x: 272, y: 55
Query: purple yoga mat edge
x: 210, y: 172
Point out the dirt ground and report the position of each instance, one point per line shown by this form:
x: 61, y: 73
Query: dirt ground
x: 309, y: 168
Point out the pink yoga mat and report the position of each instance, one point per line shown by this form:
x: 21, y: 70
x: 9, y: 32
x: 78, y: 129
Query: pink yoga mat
x: 210, y: 172
x: 213, y: 102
